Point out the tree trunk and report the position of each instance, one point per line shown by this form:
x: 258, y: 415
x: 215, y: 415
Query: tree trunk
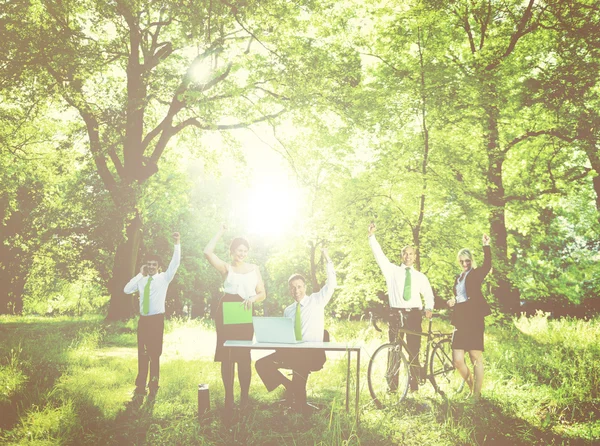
x: 504, y: 291
x: 13, y: 274
x: 590, y: 145
x: 15, y: 262
x: 124, y: 268
x: 198, y: 305
x: 416, y: 233
x: 596, y: 183
x: 173, y: 302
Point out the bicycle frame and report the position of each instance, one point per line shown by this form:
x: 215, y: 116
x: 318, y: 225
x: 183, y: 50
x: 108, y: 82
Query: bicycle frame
x: 431, y: 343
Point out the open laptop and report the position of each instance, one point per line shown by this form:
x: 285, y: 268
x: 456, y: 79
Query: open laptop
x: 277, y: 330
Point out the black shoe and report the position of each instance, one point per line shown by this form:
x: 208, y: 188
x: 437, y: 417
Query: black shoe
x: 423, y: 407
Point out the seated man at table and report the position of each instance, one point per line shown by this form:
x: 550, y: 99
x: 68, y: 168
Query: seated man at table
x: 309, y: 322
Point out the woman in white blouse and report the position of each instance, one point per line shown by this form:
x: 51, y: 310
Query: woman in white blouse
x: 243, y: 284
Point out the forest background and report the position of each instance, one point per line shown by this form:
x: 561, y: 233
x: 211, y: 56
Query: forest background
x: 297, y: 124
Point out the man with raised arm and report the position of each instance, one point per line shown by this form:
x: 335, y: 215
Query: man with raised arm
x: 152, y: 286
x: 308, y: 313
x: 405, y: 286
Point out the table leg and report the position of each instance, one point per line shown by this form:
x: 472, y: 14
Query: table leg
x: 357, y: 386
x: 231, y: 380
x: 348, y: 381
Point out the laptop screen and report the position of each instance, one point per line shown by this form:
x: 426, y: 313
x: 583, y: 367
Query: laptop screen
x: 279, y: 330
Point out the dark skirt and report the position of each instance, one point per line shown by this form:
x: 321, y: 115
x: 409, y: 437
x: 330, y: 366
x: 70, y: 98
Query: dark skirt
x: 469, y: 328
x: 231, y: 332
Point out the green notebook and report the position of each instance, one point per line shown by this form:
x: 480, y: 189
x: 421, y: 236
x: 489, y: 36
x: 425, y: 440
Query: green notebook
x: 235, y: 313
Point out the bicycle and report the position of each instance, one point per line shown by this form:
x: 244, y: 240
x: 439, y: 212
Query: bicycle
x: 388, y: 374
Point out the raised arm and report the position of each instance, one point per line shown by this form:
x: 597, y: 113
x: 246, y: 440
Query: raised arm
x: 324, y: 295
x: 212, y: 258
x: 487, y: 256
x: 380, y: 257
x: 175, y: 260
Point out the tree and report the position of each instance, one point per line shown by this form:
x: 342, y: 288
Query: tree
x: 497, y: 43
x: 139, y: 75
x: 39, y: 219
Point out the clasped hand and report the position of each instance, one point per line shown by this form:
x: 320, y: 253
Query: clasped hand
x: 248, y: 302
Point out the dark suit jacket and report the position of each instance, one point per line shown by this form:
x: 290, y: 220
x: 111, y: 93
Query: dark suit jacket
x: 476, y: 305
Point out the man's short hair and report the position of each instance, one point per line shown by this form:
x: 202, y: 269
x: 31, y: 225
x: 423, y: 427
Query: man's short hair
x: 407, y: 247
x: 296, y: 277
x: 153, y: 258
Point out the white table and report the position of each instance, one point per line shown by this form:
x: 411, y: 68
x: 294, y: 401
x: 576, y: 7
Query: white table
x: 325, y: 346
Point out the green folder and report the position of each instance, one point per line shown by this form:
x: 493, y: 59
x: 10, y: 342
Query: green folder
x: 235, y: 313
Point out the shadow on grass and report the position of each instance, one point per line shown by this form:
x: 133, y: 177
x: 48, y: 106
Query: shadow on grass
x: 43, y: 344
x: 563, y: 374
x: 493, y: 423
x: 89, y: 367
x: 46, y: 349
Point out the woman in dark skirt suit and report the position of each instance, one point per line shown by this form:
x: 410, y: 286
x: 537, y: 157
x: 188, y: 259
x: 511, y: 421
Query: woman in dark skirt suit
x: 243, y: 284
x: 469, y: 311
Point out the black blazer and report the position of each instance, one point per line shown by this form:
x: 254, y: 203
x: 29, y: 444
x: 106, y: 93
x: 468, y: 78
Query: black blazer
x: 476, y: 305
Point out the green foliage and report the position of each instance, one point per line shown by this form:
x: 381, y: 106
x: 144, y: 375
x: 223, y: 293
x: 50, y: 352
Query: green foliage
x: 12, y: 378
x: 439, y: 121
x: 45, y: 226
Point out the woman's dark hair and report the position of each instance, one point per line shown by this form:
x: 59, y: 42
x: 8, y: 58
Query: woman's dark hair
x: 237, y: 242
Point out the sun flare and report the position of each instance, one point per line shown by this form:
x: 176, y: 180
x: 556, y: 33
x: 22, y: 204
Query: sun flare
x: 273, y: 207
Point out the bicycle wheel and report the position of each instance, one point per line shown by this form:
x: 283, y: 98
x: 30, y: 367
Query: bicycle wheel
x: 444, y: 378
x: 388, y: 375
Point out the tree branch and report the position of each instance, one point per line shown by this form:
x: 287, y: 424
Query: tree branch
x: 535, y: 133
x: 522, y: 30
x: 240, y: 125
x: 403, y: 73
x: 92, y: 127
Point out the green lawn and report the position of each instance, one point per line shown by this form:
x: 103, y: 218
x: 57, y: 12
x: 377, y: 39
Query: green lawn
x: 70, y: 381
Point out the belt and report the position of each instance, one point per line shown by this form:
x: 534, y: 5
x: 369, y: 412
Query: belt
x: 405, y: 310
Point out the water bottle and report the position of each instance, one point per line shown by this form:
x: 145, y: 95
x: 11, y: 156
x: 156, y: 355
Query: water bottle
x: 203, y: 400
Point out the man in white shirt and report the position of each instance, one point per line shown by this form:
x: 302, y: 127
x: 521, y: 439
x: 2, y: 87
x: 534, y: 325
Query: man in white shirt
x: 152, y: 287
x: 405, y: 287
x: 308, y: 313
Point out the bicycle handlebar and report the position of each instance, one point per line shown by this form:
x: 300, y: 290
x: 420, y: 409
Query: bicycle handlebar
x: 373, y: 319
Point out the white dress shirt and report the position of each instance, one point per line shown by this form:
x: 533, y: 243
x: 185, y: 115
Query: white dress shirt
x: 158, y: 286
x: 461, y: 288
x: 312, y: 309
x: 394, y: 278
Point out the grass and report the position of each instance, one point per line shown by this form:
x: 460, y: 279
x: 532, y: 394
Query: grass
x: 70, y: 381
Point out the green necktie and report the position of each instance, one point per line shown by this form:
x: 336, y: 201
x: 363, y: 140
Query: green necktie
x: 146, y: 300
x: 407, y: 285
x: 298, y: 324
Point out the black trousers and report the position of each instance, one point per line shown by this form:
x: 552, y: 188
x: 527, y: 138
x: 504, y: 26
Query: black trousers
x: 300, y: 361
x: 149, y: 340
x: 409, y: 320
